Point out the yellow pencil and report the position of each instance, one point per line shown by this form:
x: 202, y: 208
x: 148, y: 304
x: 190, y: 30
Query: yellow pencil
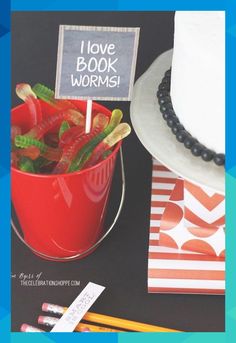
x: 124, y: 323
x: 111, y: 321
x: 51, y: 321
x: 94, y: 328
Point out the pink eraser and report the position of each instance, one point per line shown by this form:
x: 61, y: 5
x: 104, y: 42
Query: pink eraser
x: 40, y: 320
x: 45, y: 307
x: 86, y: 330
x: 24, y: 327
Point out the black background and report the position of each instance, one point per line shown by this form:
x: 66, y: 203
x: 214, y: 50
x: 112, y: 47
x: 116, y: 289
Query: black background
x: 120, y: 263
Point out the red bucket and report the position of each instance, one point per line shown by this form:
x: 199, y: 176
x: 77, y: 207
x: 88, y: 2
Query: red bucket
x: 62, y: 216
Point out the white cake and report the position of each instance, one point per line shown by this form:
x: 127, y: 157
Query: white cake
x: 198, y: 75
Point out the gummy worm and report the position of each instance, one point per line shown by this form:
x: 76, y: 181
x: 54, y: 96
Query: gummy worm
x: 45, y: 151
x: 32, y: 152
x: 65, y: 126
x: 24, y: 92
x: 119, y: 133
x: 48, y: 96
x: 47, y: 124
x: 100, y: 122
x: 70, y: 135
x: 86, y: 151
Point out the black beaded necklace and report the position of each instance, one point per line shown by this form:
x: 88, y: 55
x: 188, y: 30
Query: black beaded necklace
x: 182, y: 135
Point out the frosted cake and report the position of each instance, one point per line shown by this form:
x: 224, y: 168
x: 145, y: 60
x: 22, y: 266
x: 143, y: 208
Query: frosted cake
x: 192, y: 93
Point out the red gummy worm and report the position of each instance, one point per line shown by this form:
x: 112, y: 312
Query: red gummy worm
x: 32, y: 152
x: 70, y: 135
x: 39, y: 130
x: 24, y: 92
x: 34, y: 109
x: 96, y: 154
x: 70, y: 151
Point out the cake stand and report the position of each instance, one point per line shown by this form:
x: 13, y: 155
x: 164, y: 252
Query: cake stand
x: 158, y: 138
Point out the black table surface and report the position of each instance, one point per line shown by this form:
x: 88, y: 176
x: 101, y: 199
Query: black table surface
x: 120, y: 263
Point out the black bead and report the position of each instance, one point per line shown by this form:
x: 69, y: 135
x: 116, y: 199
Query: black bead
x: 207, y: 155
x: 189, y: 141
x: 164, y: 100
x: 166, y: 107
x: 219, y: 159
x: 196, y: 149
x: 181, y: 135
x: 166, y: 80
x: 164, y: 86
x: 171, y: 111
x: 168, y: 72
x: 172, y: 120
x: 166, y: 115
x: 162, y: 93
x: 176, y: 128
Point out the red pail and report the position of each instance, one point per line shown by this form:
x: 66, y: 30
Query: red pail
x: 62, y: 216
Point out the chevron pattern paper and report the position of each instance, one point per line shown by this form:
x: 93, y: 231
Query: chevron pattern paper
x: 172, y: 268
x: 190, y: 222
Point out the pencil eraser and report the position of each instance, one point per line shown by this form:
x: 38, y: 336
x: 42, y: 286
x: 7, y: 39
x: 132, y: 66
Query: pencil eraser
x: 45, y: 307
x: 40, y: 320
x: 86, y: 330
x: 24, y: 327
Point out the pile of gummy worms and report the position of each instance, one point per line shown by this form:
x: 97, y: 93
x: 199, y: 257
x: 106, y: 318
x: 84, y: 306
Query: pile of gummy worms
x: 57, y: 143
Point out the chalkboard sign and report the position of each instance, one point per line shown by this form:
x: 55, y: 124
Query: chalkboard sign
x: 96, y: 62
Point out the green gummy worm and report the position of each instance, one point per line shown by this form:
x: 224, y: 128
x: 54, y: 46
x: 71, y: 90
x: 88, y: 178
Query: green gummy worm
x: 25, y: 141
x: 43, y: 93
x: 47, y: 95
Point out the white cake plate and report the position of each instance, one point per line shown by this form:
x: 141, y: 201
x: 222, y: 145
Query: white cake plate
x: 158, y: 138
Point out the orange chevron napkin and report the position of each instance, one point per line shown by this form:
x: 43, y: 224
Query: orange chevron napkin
x: 184, y: 255
x: 194, y: 220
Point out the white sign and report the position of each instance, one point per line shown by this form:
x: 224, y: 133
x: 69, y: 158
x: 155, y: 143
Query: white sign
x: 79, y: 307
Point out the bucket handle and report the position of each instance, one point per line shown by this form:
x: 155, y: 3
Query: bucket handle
x: 70, y: 258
